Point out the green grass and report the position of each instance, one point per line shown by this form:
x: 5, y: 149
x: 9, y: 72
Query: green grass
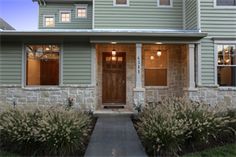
x: 224, y: 151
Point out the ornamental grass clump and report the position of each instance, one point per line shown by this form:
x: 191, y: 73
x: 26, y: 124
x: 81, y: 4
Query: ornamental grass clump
x: 44, y: 131
x: 168, y: 127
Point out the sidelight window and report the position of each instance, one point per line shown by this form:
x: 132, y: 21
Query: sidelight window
x: 42, y: 64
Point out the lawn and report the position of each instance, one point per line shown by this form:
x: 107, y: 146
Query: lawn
x: 224, y: 151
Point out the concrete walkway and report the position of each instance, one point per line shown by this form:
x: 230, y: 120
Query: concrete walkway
x: 115, y: 136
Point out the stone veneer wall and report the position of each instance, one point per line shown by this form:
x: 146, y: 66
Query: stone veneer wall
x: 84, y: 97
x: 176, y: 75
x: 130, y: 51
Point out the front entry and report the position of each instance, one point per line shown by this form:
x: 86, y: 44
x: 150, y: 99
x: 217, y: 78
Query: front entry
x: 114, y: 78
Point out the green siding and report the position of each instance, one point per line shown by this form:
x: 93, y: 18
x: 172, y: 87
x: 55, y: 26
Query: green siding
x: 77, y: 63
x: 10, y: 63
x: 191, y: 15
x: 76, y: 23
x: 217, y: 23
x: 139, y: 14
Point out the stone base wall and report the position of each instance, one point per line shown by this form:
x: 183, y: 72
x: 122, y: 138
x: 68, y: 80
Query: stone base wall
x: 213, y: 96
x: 83, y: 97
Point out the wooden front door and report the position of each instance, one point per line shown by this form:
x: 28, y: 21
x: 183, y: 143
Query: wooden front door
x: 114, y: 78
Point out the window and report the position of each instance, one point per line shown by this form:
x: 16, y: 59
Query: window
x: 164, y: 3
x: 81, y: 11
x: 155, y: 68
x: 226, y: 65
x: 42, y: 64
x: 65, y: 16
x: 121, y: 3
x: 49, y: 21
x: 226, y: 2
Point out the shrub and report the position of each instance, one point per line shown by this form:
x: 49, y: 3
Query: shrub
x: 48, y: 131
x: 167, y: 126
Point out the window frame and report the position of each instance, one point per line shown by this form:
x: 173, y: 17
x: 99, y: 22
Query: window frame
x: 60, y: 15
x: 164, y: 6
x: 24, y: 67
x: 216, y: 43
x: 77, y: 6
x: 44, y: 21
x: 223, y: 6
x: 167, y: 72
x: 120, y: 5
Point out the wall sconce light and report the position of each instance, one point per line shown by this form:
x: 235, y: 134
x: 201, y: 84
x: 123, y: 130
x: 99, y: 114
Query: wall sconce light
x: 152, y: 57
x: 159, y: 53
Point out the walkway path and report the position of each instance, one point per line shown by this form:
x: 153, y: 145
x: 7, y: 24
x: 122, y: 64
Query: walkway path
x: 115, y: 136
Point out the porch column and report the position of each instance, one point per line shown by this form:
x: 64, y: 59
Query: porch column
x: 94, y: 65
x: 191, y: 66
x: 139, y: 91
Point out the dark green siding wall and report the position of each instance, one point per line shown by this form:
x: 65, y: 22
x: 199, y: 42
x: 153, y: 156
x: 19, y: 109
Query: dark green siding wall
x: 10, y: 63
x: 77, y: 63
x: 217, y: 23
x: 76, y: 23
x: 140, y: 14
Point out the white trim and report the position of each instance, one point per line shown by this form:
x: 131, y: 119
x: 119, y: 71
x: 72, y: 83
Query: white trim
x: 223, y: 7
x: 44, y: 22
x: 120, y: 5
x: 81, y: 6
x: 165, y: 6
x: 184, y: 15
x: 138, y: 71
x: 93, y: 17
x: 191, y: 67
x: 199, y: 64
x: 64, y: 11
x: 224, y: 41
x: 61, y: 53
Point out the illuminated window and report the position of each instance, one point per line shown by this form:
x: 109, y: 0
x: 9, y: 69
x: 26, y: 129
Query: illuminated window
x: 121, y: 2
x: 226, y: 65
x: 49, y: 21
x: 65, y: 16
x: 42, y: 66
x: 164, y: 3
x: 81, y: 11
x: 155, y: 68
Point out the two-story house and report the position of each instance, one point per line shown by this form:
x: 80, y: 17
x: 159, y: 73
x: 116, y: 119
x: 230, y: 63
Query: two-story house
x: 122, y: 52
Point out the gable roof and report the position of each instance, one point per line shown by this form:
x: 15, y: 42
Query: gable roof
x: 4, y: 25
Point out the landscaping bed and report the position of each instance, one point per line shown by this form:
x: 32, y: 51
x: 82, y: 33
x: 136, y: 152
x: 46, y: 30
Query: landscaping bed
x: 47, y: 131
x: 174, y: 127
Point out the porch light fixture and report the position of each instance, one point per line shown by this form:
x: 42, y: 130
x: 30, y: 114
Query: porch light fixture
x: 152, y: 57
x: 113, y: 52
x: 159, y: 53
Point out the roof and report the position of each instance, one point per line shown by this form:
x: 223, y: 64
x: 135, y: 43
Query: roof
x: 4, y: 25
x: 43, y: 2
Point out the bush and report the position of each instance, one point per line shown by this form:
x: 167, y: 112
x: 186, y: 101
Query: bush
x: 48, y: 131
x: 166, y: 127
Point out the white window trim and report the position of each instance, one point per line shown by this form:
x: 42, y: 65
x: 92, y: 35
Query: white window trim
x: 216, y: 43
x: 64, y: 11
x: 120, y: 5
x: 44, y: 21
x: 165, y: 6
x: 24, y: 67
x: 81, y: 6
x: 222, y: 7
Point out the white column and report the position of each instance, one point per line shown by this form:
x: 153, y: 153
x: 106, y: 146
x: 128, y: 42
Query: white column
x: 191, y: 66
x: 199, y: 65
x: 94, y: 65
x: 138, y: 66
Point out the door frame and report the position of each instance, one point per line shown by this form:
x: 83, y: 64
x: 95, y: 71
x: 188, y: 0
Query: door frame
x: 125, y: 84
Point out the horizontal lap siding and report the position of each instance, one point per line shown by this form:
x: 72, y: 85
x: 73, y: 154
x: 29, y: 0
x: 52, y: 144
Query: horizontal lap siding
x: 76, y: 23
x: 217, y: 23
x: 138, y: 15
x: 77, y: 63
x: 191, y: 20
x: 10, y: 63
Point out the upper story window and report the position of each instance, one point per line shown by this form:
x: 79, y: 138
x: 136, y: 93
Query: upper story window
x: 226, y: 2
x: 42, y: 65
x: 121, y: 2
x: 226, y: 67
x: 65, y: 16
x: 155, y: 64
x: 82, y: 11
x: 49, y: 21
x: 164, y: 3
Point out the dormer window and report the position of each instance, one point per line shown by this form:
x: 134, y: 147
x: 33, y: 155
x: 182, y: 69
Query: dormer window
x: 164, y: 3
x: 49, y: 21
x: 121, y: 3
x: 226, y: 2
x: 65, y: 16
x: 81, y: 11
